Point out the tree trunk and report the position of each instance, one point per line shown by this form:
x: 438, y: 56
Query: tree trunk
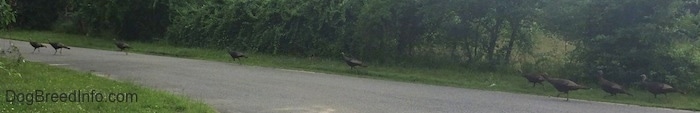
x: 403, y: 44
x: 453, y: 52
x: 493, y: 34
x: 509, y: 51
x: 410, y: 31
x: 471, y: 54
x: 515, y: 32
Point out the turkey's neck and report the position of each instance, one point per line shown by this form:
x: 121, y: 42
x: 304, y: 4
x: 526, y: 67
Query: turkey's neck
x: 600, y: 78
x: 545, y: 78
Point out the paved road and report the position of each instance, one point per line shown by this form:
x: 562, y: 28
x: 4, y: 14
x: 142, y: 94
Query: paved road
x: 232, y: 88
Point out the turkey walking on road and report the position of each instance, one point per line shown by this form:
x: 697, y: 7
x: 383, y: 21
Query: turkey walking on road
x: 58, y: 45
x: 610, y: 87
x: 352, y: 62
x: 658, y: 88
x: 36, y: 45
x: 564, y: 85
x: 534, y: 78
x: 122, y: 46
x: 237, y: 55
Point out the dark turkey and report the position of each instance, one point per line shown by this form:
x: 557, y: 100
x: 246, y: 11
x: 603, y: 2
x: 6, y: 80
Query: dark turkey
x: 534, y: 78
x: 122, y: 46
x: 236, y: 55
x: 58, y: 45
x: 610, y: 87
x: 36, y: 45
x: 564, y: 85
x: 658, y: 88
x: 352, y: 62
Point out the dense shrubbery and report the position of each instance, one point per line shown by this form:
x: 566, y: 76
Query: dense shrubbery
x: 628, y: 38
x: 623, y: 37
x: 313, y: 27
x: 7, y: 15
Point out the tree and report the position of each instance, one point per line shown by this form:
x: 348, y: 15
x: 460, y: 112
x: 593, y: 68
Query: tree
x: 623, y: 37
x: 37, y: 14
x: 7, y: 15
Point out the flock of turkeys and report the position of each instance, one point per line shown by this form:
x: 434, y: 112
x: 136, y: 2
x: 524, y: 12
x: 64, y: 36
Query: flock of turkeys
x: 564, y: 85
x: 58, y: 47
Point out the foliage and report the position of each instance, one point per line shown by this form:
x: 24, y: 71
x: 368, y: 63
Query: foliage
x: 626, y: 38
x: 395, y: 30
x: 128, y: 19
x: 265, y: 26
x: 7, y: 15
x: 36, y: 14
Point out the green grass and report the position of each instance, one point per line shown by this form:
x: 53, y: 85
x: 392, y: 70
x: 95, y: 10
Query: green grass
x: 50, y: 79
x: 454, y: 77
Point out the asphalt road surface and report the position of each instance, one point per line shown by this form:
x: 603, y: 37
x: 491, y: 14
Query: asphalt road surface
x: 234, y: 88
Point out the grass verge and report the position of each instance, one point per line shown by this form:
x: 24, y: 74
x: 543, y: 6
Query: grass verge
x: 40, y: 80
x: 455, y: 77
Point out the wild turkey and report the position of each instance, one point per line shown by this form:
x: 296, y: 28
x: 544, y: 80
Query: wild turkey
x: 36, y: 45
x: 122, y: 46
x: 236, y: 55
x: 658, y: 88
x: 610, y: 87
x: 564, y: 85
x: 352, y: 62
x: 58, y: 45
x: 534, y: 78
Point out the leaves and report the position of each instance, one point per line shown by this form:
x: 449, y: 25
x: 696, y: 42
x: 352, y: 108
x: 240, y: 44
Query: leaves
x: 626, y: 38
x: 7, y: 15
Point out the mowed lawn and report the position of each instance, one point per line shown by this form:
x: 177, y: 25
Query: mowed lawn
x: 41, y: 88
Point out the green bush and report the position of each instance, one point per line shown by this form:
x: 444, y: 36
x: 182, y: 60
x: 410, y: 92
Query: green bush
x: 7, y: 15
x: 286, y: 27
